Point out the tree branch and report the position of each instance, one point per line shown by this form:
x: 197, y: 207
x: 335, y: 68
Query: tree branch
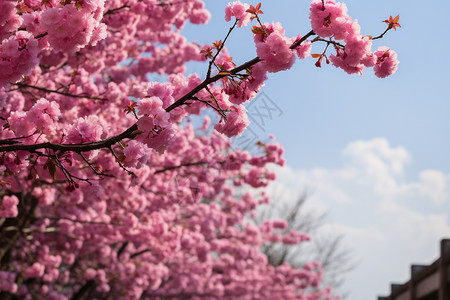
x: 127, y: 134
x: 45, y: 90
x: 220, y: 49
x: 85, y: 291
x: 297, y: 43
x: 381, y: 35
x: 180, y: 166
x: 207, y: 81
x: 232, y: 72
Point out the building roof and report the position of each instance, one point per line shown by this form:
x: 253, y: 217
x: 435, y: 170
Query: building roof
x: 428, y: 282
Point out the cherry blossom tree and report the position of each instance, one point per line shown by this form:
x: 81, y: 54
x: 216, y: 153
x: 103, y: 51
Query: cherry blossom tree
x: 108, y: 190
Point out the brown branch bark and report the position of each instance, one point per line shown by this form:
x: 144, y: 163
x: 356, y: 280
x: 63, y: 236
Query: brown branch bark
x: 85, y: 291
x: 202, y: 85
x: 169, y: 168
x: 45, y: 90
x: 127, y: 134
x: 297, y: 43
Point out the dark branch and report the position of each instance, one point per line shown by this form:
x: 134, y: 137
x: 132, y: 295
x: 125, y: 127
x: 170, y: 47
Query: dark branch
x: 114, y: 10
x: 297, y: 43
x: 220, y: 49
x: 381, y: 35
x: 139, y: 253
x: 45, y: 90
x: 180, y: 166
x: 202, y: 85
x: 127, y: 134
x: 85, y: 291
x: 236, y: 70
x: 41, y: 35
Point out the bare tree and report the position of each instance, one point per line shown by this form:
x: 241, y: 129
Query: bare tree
x: 327, y: 248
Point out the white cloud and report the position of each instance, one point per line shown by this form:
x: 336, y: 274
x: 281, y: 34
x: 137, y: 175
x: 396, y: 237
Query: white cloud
x: 434, y: 184
x: 385, y: 217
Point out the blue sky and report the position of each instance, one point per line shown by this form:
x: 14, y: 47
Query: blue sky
x: 374, y: 151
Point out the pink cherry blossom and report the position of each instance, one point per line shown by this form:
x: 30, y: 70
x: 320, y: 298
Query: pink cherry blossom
x: 18, y: 56
x: 331, y: 21
x: 235, y: 123
x: 7, y: 282
x: 136, y: 153
x: 10, y: 21
x: 71, y: 29
x: 36, y: 270
x: 238, y: 10
x: 304, y: 50
x: 275, y: 53
x: 356, y: 56
x: 88, y: 129
x: 8, y: 208
x: 387, y: 62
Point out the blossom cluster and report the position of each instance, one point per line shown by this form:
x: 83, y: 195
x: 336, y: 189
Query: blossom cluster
x: 330, y: 19
x: 10, y: 21
x: 18, y: 56
x: 8, y: 208
x: 70, y: 29
x: 239, y: 11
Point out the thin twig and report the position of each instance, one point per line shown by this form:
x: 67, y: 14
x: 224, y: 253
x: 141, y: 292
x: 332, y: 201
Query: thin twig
x: 381, y: 35
x: 262, y: 26
x: 207, y: 81
x: 69, y: 176
x: 169, y: 168
x: 121, y: 249
x: 336, y: 44
x: 41, y: 35
x: 80, y: 221
x: 139, y: 253
x: 208, y: 75
x: 114, y: 10
x: 92, y: 167
x: 219, y: 109
x: 120, y: 164
x: 45, y: 90
x: 297, y: 43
